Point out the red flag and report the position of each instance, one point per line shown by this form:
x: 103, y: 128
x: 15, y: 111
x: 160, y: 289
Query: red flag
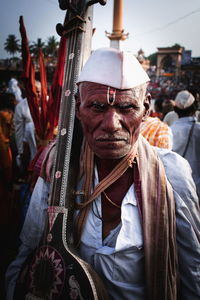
x: 46, y: 117
x: 43, y: 105
x: 56, y: 87
x: 29, y: 78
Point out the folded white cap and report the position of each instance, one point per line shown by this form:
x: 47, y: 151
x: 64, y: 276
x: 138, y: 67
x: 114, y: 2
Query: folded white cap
x: 184, y: 99
x: 114, y: 68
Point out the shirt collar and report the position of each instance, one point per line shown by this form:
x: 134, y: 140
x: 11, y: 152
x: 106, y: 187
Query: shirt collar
x: 129, y: 198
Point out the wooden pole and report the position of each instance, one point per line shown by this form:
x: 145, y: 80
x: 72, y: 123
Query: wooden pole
x: 117, y: 34
x: 118, y: 16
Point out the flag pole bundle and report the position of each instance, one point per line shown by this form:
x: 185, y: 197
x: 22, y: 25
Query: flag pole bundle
x: 44, y: 111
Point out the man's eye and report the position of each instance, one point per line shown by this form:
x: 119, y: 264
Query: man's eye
x: 128, y: 107
x: 98, y: 106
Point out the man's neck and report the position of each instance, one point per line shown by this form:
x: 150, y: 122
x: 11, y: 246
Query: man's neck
x: 112, y: 196
x: 105, y: 166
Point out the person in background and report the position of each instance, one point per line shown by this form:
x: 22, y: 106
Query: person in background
x: 3, y: 87
x: 139, y: 228
x: 157, y: 111
x: 26, y: 142
x: 186, y: 132
x: 167, y: 105
x: 13, y: 87
x: 6, y: 172
x: 7, y: 105
x: 25, y: 131
x: 171, y: 116
x: 157, y: 133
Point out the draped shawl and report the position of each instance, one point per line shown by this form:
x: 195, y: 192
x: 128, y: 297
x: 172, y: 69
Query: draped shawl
x: 158, y: 215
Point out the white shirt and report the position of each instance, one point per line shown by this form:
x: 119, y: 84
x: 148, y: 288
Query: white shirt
x: 24, y: 128
x: 123, y: 246
x: 181, y: 130
x: 122, y: 249
x: 170, y: 118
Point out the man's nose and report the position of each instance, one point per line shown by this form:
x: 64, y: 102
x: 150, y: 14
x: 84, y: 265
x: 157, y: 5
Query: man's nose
x: 111, y: 121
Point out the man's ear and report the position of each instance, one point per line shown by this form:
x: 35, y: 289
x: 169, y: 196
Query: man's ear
x: 78, y: 102
x: 147, y: 103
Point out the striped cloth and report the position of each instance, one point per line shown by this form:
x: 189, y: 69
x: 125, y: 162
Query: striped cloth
x: 157, y: 133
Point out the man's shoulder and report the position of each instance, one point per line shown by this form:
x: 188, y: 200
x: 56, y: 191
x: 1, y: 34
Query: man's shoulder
x: 182, y: 125
x: 178, y: 172
x: 170, y: 116
x: 197, y: 124
x: 23, y: 102
x: 173, y: 161
x: 169, y: 155
x: 197, y: 131
x: 21, y: 105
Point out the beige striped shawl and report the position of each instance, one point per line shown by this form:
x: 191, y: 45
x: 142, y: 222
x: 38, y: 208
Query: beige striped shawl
x: 158, y: 210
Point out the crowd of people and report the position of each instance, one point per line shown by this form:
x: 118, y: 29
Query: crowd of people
x: 141, y: 231
x: 18, y: 149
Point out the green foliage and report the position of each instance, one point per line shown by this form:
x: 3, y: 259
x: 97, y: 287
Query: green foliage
x: 153, y: 59
x: 35, y: 46
x: 12, y: 45
x: 51, y: 47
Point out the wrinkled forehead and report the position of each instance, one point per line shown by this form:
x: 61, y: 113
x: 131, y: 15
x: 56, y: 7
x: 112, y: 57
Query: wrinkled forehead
x: 89, y: 89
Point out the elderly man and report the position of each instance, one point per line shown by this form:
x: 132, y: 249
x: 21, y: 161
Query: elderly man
x: 138, y: 224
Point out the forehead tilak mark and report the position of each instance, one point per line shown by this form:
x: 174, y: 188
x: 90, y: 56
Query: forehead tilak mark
x: 111, y: 93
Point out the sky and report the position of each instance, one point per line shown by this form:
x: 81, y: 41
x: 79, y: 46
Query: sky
x: 150, y: 23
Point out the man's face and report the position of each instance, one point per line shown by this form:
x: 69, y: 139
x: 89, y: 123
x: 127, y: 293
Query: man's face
x: 110, y: 130
x: 38, y: 90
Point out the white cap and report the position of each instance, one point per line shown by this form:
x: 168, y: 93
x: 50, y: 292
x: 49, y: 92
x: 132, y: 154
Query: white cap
x: 184, y: 99
x: 114, y: 68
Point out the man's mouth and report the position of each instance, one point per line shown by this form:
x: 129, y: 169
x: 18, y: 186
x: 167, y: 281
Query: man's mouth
x: 111, y: 139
